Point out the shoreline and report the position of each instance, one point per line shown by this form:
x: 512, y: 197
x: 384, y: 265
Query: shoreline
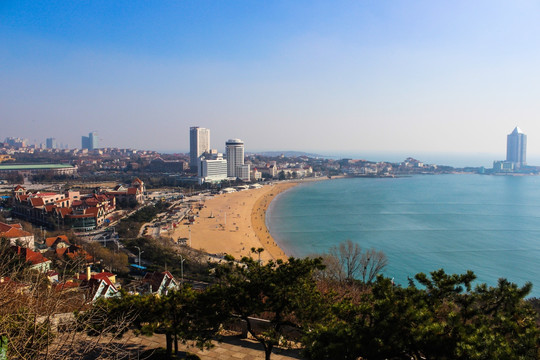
x: 258, y: 220
x: 234, y: 223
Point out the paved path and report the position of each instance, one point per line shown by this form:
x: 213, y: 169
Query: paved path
x: 230, y: 348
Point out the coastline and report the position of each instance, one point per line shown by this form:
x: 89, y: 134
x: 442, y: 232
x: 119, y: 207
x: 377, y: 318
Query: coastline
x: 258, y: 219
x: 234, y: 223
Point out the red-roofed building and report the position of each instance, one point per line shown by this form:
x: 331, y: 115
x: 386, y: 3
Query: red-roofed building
x: 81, y: 213
x: 99, y: 276
x: 16, y: 235
x: 131, y: 196
x: 75, y: 252
x: 159, y: 283
x: 67, y: 285
x: 60, y: 241
x: 38, y: 261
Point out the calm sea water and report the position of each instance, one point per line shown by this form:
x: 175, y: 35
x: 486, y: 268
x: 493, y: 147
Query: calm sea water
x: 488, y: 224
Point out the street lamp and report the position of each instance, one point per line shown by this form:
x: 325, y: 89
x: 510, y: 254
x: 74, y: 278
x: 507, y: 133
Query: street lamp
x: 182, y: 268
x: 140, y: 252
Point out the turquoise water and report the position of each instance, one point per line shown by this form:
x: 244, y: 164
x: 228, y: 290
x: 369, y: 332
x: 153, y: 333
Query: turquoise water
x: 488, y: 224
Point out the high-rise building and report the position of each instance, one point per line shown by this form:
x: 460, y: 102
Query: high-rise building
x: 516, y: 148
x: 199, y: 143
x: 235, y: 157
x: 51, y: 143
x: 89, y: 142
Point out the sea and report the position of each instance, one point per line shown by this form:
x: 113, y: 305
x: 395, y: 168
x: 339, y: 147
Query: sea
x: 457, y: 222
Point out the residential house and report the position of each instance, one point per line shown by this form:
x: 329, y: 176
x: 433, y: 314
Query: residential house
x: 37, y: 260
x: 16, y: 235
x: 159, y: 283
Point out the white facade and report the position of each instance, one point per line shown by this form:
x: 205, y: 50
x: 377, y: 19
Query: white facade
x: 212, y: 169
x: 256, y: 174
x: 199, y: 143
x: 235, y: 156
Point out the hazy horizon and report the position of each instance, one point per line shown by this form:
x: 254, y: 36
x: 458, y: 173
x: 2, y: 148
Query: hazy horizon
x: 353, y: 77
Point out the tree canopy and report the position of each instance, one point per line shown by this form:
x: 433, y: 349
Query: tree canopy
x: 282, y: 293
x: 440, y: 318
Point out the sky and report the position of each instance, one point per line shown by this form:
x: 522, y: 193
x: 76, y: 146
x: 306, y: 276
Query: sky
x: 452, y: 77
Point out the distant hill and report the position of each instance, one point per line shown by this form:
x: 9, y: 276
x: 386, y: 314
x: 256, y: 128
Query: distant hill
x: 289, y: 154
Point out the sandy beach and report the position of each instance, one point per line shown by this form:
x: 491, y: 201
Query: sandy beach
x: 234, y: 223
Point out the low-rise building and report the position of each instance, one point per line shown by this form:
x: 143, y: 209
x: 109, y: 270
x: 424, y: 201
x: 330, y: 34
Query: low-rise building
x: 52, y: 210
x: 503, y: 166
x: 256, y: 174
x: 36, y: 259
x: 270, y: 171
x: 35, y: 169
x: 129, y: 196
x: 159, y: 283
x: 16, y: 235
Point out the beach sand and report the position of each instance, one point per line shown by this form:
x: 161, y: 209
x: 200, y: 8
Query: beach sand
x: 234, y: 223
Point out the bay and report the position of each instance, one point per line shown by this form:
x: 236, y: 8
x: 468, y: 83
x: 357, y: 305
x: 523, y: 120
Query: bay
x: 458, y: 222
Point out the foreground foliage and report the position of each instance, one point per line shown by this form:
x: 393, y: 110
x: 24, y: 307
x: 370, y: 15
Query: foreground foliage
x: 36, y: 320
x: 441, y: 319
x: 282, y: 293
x: 437, y: 316
x: 181, y: 315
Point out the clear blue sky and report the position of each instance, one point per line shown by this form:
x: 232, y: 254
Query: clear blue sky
x: 323, y: 76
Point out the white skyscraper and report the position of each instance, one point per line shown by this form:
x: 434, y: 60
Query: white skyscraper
x: 516, y: 147
x: 235, y: 156
x: 199, y: 143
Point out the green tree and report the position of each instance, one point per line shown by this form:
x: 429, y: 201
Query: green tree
x: 441, y: 319
x: 283, y: 293
x: 181, y: 315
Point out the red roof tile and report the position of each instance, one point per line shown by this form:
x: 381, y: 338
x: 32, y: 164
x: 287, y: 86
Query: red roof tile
x: 37, y: 202
x: 64, y: 211
x: 12, y: 231
x: 45, y: 194
x: 52, y: 240
x: 66, y: 286
x: 31, y: 256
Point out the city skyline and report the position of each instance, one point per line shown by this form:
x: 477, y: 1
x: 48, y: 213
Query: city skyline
x: 316, y: 77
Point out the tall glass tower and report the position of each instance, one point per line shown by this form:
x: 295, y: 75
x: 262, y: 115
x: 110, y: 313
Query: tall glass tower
x: 516, y: 147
